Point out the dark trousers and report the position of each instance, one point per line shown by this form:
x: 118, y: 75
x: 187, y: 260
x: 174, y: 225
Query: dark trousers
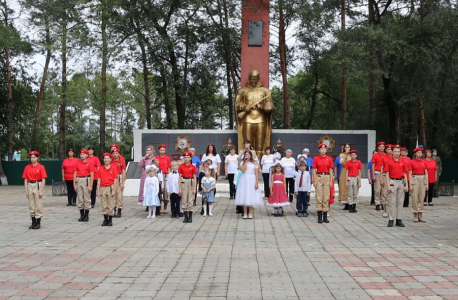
x: 159, y: 194
x: 93, y: 192
x: 174, y: 204
x: 429, y: 193
x: 290, y: 188
x: 199, y: 182
x: 71, y: 193
x: 406, y: 197
x: 265, y: 177
x: 231, y: 185
x: 302, y: 202
x: 372, y: 194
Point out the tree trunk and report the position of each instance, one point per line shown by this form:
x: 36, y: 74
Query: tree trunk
x: 422, y: 120
x: 391, y: 106
x: 282, y: 52
x: 165, y: 93
x: 146, y: 83
x: 371, y: 74
x: 343, y: 119
x: 63, y: 104
x: 229, y: 66
x: 36, y: 122
x: 103, y: 99
x: 9, y: 87
x: 312, y: 107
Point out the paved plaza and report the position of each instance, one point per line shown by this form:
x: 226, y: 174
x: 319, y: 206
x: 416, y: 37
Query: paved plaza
x: 225, y: 257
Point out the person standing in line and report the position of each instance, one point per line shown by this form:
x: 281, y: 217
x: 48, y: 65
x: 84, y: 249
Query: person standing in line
x: 147, y: 160
x: 121, y: 167
x: 247, y: 146
x: 82, y: 183
x: 172, y: 190
x: 407, y: 161
x: 353, y: 175
x: 106, y: 188
x: 344, y: 157
x: 302, y: 188
x: 396, y: 179
x: 438, y: 161
x: 94, y: 160
x: 370, y: 178
x: 68, y: 167
x: 378, y: 160
x: 34, y: 176
x: 231, y: 162
x: 321, y: 180
x: 309, y: 161
x: 115, y: 146
x: 195, y: 160
x: 278, y: 198
x: 248, y: 193
x: 388, y: 155
x: 278, y: 148
x: 418, y: 184
x: 225, y: 151
x: 187, y: 186
x: 208, y: 187
x: 210, y: 153
x: 164, y: 165
x: 431, y: 167
x: 289, y: 165
x: 151, y: 192
x: 267, y: 162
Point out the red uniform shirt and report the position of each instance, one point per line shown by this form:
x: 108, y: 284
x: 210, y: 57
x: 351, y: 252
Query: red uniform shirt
x: 322, y: 164
x: 378, y: 160
x: 119, y: 165
x: 83, y: 168
x: 68, y: 165
x: 164, y: 163
x: 407, y: 162
x: 107, y: 176
x: 187, y: 170
x: 418, y: 166
x: 431, y: 167
x: 353, y: 167
x: 387, y: 158
x: 94, y: 160
x: 34, y: 173
x: 396, y: 168
x: 123, y: 160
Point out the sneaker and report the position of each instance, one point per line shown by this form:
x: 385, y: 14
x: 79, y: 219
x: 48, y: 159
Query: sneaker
x: 250, y: 216
x: 148, y: 217
x: 204, y: 215
x: 245, y: 216
x: 210, y: 214
x: 153, y: 217
x: 329, y: 214
x: 385, y: 215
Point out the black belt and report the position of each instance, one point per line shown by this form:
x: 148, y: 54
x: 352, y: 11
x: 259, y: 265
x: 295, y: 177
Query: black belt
x: 32, y: 181
x: 322, y: 173
x: 402, y: 178
x: 83, y: 176
x: 187, y: 177
x: 418, y: 174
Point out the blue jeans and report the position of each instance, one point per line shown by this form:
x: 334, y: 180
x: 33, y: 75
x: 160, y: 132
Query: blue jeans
x: 302, y: 202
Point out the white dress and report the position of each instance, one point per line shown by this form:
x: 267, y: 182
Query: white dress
x: 150, y: 191
x: 246, y: 195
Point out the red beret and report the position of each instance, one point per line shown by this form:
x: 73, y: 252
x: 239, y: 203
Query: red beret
x: 388, y: 146
x: 380, y: 143
x: 395, y: 146
x: 322, y: 145
x: 33, y: 152
x: 116, y: 150
x: 353, y: 151
x: 162, y: 146
x: 187, y: 153
x: 403, y: 149
x: 84, y: 151
x: 114, y: 146
x: 428, y: 150
x: 417, y: 149
x: 107, y: 154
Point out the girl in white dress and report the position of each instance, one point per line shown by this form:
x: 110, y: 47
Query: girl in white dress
x: 248, y: 192
x: 150, y: 193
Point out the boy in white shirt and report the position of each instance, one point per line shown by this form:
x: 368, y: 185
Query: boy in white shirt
x: 173, y: 189
x: 302, y: 188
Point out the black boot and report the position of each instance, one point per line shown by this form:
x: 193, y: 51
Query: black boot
x: 189, y: 216
x: 38, y: 225
x: 81, y: 219
x: 181, y: 214
x: 390, y: 223
x: 185, y: 220
x: 354, y: 208
x: 325, y: 217
x: 350, y: 208
x: 86, y: 215
x: 346, y: 207
x: 399, y: 223
x: 110, y: 221
x: 105, y: 220
x: 320, y: 216
x: 377, y: 207
x: 34, y: 223
x: 119, y: 213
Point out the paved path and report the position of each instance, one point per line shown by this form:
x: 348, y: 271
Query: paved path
x: 225, y: 257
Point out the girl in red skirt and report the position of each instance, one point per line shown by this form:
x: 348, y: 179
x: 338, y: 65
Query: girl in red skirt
x: 278, y: 198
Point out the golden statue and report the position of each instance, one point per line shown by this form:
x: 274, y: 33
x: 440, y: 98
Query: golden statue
x: 254, y: 107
